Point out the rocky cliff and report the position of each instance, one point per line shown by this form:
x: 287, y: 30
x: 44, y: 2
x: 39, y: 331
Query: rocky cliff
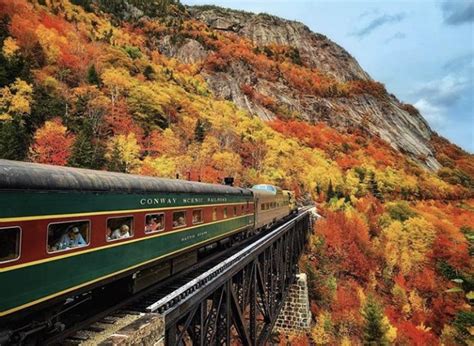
x: 401, y: 126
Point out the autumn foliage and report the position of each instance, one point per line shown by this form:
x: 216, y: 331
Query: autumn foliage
x: 52, y: 143
x: 391, y: 259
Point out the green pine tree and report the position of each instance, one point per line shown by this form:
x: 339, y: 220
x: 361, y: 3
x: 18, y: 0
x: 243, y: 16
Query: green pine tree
x: 14, y: 140
x: 87, y: 151
x: 149, y: 72
x: 330, y: 194
x: 93, y: 76
x: 374, y: 328
x: 374, y: 187
x: 115, y: 162
x: 199, y: 131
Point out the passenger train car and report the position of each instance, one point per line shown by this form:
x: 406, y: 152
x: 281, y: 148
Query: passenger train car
x: 64, y: 231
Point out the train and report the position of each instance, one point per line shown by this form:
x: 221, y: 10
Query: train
x: 66, y: 231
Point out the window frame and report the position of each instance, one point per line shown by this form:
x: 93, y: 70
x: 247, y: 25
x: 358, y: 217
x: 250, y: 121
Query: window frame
x: 224, y: 213
x: 19, y: 244
x: 74, y: 248
x: 119, y: 217
x: 185, y: 216
x: 163, y: 227
x: 202, y: 217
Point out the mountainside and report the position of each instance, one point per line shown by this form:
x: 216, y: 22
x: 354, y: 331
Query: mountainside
x: 158, y: 89
x: 404, y: 128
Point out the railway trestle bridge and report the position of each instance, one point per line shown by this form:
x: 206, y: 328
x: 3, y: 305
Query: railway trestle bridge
x: 240, y: 298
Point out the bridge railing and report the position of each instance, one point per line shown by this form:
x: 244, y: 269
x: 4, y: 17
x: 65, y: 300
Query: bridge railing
x: 241, y: 297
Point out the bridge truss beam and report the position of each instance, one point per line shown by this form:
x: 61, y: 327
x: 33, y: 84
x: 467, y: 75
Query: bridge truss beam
x: 241, y: 302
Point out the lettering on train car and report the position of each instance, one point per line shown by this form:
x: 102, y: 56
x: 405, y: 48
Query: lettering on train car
x: 152, y: 201
x: 186, y: 200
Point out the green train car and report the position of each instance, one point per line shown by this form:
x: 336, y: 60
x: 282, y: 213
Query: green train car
x: 65, y: 232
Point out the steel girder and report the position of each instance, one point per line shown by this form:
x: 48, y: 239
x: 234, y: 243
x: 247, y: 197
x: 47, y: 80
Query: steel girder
x: 242, y: 304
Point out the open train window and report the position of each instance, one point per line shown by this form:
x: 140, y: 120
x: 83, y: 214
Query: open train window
x: 214, y: 214
x: 225, y: 213
x: 68, y: 235
x: 154, y: 223
x: 197, y: 216
x: 119, y: 228
x: 9, y: 244
x: 179, y: 219
x: 235, y: 211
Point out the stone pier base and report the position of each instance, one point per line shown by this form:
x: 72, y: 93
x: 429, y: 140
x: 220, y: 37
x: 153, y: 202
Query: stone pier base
x: 295, y: 316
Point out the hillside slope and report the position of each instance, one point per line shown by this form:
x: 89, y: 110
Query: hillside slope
x: 154, y: 88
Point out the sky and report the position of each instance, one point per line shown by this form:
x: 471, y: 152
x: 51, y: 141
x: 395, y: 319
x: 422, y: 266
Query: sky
x: 423, y: 51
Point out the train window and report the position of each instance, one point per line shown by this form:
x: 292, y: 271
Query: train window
x: 9, y: 244
x: 68, y: 235
x: 179, y: 219
x: 225, y: 213
x: 119, y: 228
x: 214, y: 214
x: 235, y: 211
x: 197, y: 216
x: 243, y: 209
x: 154, y: 223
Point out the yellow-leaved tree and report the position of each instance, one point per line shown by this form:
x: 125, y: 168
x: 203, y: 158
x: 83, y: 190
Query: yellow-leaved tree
x: 10, y: 47
x: 406, y: 243
x: 15, y: 99
x: 123, y: 152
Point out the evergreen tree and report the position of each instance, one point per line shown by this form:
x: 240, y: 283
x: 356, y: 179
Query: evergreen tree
x: 330, y: 194
x: 87, y: 151
x: 374, y: 328
x: 374, y: 187
x: 149, y: 72
x: 115, y: 162
x: 92, y: 76
x: 14, y: 140
x: 199, y: 131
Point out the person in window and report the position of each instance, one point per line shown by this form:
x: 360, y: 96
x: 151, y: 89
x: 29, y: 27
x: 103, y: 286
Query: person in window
x: 122, y: 232
x: 152, y: 224
x: 71, y: 239
x: 196, y: 217
x: 179, y: 222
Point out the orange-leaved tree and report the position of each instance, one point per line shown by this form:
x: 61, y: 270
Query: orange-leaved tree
x: 52, y: 143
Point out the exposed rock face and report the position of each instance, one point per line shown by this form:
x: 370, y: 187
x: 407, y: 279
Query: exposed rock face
x: 406, y: 132
x: 315, y: 49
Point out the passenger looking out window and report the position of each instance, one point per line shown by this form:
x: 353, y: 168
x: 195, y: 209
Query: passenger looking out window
x: 154, y: 223
x: 68, y: 235
x: 197, y: 216
x: 179, y: 219
x: 9, y: 244
x: 119, y: 228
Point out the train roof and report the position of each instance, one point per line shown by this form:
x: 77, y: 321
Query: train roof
x: 267, y: 187
x: 15, y: 175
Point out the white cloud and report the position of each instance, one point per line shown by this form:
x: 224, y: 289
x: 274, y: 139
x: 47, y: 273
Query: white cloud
x: 436, y: 98
x: 443, y: 92
x: 434, y: 114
